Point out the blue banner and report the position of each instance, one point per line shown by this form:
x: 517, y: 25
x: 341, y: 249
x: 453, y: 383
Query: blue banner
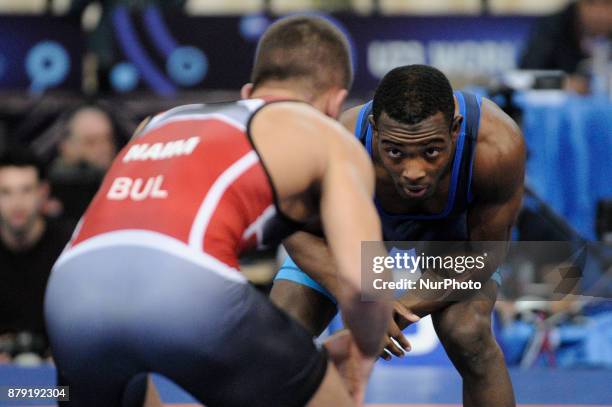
x: 167, y: 53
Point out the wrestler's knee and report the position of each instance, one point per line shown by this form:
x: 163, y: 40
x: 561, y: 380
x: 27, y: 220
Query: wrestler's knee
x: 471, y: 344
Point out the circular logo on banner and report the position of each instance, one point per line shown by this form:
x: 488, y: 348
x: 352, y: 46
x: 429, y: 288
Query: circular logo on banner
x: 124, y: 77
x: 187, y: 66
x: 253, y: 26
x: 47, y: 65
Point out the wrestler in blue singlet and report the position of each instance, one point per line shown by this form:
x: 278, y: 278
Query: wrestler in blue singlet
x: 450, y: 224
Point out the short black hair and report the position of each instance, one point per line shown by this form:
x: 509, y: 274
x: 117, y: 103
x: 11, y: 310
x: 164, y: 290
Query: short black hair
x: 305, y: 48
x: 412, y: 93
x: 17, y: 156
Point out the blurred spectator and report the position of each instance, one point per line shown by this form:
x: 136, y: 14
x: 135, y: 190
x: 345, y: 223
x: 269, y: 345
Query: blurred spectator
x: 89, y: 139
x: 86, y: 151
x: 29, y: 245
x: 566, y: 39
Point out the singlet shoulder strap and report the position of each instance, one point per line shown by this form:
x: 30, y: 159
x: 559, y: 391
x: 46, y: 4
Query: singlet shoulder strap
x: 472, y: 125
x: 362, y: 126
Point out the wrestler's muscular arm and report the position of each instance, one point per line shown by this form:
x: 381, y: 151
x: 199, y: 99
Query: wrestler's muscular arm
x: 328, y: 164
x: 498, y: 178
x: 310, y: 252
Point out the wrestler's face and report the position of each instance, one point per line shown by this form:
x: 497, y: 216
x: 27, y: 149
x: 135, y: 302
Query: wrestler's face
x: 417, y: 156
x: 21, y: 197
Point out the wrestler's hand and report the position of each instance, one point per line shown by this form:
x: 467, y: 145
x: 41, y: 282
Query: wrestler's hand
x: 354, y: 367
x: 397, y: 344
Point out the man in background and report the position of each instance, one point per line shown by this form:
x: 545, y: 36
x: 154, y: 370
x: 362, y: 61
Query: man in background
x: 29, y: 245
x: 86, y: 151
x: 566, y: 40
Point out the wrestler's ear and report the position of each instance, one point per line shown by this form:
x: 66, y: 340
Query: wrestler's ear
x: 246, y: 90
x: 372, y: 122
x: 335, y: 101
x: 456, y: 126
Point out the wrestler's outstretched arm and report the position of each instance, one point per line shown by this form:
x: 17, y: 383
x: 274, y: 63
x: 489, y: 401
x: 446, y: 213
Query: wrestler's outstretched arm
x: 337, y: 177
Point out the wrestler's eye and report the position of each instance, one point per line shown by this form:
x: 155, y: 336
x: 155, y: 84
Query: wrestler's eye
x: 394, y: 153
x: 432, y: 152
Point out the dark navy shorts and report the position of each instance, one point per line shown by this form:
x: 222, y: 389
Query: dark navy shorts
x: 114, y: 313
